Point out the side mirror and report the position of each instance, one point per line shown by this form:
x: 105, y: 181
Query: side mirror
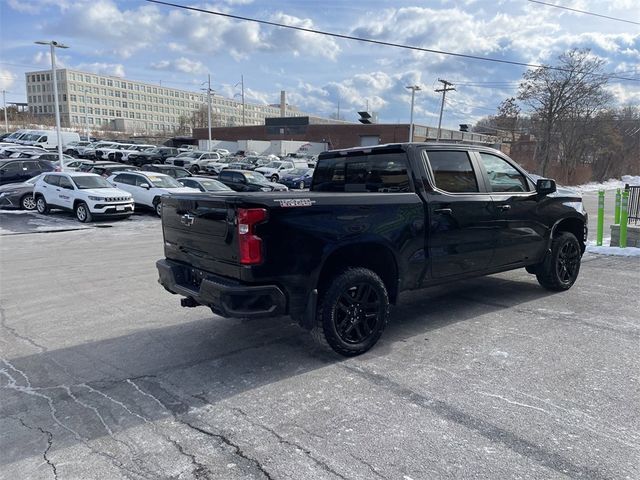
x: 145, y: 185
x: 545, y: 186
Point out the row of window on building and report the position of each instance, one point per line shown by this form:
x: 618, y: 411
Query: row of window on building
x: 111, y: 82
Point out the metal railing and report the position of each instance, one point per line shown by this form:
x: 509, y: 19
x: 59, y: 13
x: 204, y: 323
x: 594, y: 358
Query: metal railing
x: 634, y: 204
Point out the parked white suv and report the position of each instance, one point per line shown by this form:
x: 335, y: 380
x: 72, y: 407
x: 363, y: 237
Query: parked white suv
x: 147, y: 188
x: 193, y: 161
x: 87, y: 194
x: 274, y: 170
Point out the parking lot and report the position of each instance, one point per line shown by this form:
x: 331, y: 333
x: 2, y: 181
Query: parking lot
x: 104, y: 375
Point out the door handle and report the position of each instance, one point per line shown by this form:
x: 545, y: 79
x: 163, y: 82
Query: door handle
x: 443, y: 211
x: 504, y: 208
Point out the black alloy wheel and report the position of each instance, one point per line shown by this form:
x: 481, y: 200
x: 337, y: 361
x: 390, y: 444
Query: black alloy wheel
x: 356, y: 313
x: 352, y: 312
x: 561, y: 266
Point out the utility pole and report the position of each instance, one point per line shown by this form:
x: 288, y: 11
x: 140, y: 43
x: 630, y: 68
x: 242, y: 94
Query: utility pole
x: 447, y: 87
x: 413, y: 89
x: 6, y: 122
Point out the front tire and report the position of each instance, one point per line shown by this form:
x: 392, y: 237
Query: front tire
x: 195, y: 169
x: 559, y: 270
x: 83, y: 214
x: 274, y: 178
x: 352, y: 312
x: 27, y: 202
x: 157, y: 207
x: 41, y: 205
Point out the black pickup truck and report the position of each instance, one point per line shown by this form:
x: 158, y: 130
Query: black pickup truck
x: 377, y: 221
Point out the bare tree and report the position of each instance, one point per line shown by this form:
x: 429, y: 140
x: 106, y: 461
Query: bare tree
x: 559, y: 97
x: 508, y: 117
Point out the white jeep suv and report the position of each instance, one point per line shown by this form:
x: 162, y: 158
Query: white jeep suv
x: 87, y: 194
x: 148, y: 188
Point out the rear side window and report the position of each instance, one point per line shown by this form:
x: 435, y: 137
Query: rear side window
x: 125, y: 178
x: 52, y: 180
x: 453, y: 171
x: 373, y: 172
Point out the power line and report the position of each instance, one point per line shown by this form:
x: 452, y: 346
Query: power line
x: 376, y: 42
x: 585, y: 12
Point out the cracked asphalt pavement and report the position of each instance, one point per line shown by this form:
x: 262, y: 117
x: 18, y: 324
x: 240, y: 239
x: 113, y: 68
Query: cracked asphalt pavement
x: 104, y: 376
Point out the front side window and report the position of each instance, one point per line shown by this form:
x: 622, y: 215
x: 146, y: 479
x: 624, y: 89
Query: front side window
x: 502, y: 176
x: 66, y: 183
x: 452, y: 171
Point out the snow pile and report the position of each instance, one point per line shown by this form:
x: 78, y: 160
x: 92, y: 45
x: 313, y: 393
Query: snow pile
x: 610, y: 184
x: 615, y: 251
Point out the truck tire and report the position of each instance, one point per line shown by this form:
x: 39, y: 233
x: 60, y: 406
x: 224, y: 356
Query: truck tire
x: 195, y: 169
x: 559, y: 270
x: 352, y: 312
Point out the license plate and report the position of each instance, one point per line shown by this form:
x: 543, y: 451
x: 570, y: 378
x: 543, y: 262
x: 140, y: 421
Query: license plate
x: 120, y: 209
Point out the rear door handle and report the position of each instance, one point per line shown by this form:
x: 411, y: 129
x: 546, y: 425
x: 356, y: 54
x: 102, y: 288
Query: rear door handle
x: 443, y: 211
x: 504, y: 207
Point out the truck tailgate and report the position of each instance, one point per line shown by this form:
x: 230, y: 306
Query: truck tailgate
x: 199, y: 230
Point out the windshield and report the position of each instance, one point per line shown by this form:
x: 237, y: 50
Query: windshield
x: 256, y: 178
x: 89, y: 181
x: 273, y: 165
x: 164, y: 181
x: 33, y: 180
x: 213, y: 185
x: 188, y: 154
x: 300, y: 171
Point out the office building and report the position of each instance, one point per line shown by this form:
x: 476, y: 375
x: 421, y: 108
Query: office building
x: 114, y: 103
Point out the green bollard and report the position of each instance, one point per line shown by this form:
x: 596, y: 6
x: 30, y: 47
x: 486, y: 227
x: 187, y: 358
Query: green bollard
x: 600, y: 218
x: 624, y: 218
x: 616, y: 215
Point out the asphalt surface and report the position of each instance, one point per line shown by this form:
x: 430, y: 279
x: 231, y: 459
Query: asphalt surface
x: 104, y: 376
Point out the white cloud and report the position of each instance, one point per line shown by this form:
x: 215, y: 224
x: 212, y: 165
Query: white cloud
x: 7, y: 79
x: 114, y: 69
x: 181, y: 64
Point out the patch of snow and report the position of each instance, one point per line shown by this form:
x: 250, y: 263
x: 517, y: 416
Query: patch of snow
x: 610, y: 184
x: 616, y: 251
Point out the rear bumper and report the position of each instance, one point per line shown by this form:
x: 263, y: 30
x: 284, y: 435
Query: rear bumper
x: 225, y: 297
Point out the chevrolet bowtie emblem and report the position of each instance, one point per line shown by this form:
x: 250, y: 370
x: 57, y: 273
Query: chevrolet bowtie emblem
x: 187, y: 219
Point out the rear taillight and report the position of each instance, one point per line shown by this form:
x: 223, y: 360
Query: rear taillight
x: 250, y: 244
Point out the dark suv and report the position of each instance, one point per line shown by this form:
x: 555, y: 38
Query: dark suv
x: 20, y: 170
x: 153, y: 155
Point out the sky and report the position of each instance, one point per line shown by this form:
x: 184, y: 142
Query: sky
x: 154, y: 43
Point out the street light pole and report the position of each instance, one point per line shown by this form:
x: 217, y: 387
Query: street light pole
x: 6, y: 122
x: 242, y: 85
x: 53, y: 44
x: 413, y: 89
x: 86, y: 116
x: 209, y: 109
